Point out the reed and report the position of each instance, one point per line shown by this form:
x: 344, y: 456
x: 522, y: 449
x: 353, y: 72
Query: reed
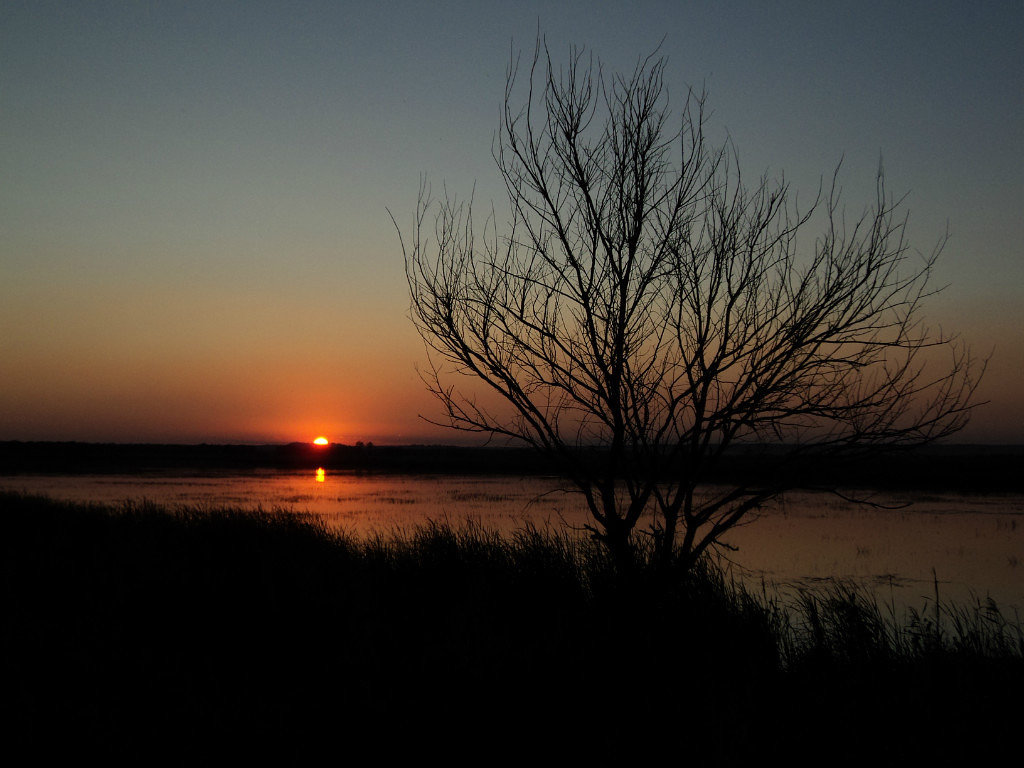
x: 195, y: 634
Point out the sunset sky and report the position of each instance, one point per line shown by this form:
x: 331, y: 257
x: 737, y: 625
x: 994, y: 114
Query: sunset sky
x: 194, y: 241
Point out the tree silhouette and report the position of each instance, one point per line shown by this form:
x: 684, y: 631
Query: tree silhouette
x: 644, y: 312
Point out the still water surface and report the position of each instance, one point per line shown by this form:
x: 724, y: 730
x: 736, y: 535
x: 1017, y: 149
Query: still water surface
x: 974, y: 543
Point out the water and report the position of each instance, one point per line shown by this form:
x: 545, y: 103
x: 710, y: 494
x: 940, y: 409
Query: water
x: 973, y: 544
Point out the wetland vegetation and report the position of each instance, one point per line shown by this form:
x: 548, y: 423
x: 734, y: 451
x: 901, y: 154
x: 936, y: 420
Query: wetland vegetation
x: 195, y: 634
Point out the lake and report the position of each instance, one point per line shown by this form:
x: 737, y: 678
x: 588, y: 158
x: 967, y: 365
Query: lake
x: 974, y: 542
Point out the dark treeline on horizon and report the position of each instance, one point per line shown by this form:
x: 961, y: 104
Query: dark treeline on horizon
x: 952, y: 467
x: 80, y: 457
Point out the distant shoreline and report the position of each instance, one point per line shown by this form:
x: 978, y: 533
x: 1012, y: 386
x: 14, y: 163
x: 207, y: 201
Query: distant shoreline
x: 970, y: 468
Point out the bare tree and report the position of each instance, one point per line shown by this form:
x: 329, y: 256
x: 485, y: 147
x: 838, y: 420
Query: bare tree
x: 643, y: 312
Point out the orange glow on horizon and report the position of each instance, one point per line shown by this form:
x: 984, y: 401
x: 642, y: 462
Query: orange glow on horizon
x: 320, y: 441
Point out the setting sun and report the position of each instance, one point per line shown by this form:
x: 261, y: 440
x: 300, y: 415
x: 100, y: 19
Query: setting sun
x: 320, y: 441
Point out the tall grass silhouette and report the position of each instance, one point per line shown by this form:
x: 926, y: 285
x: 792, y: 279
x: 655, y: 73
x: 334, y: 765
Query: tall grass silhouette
x: 196, y: 635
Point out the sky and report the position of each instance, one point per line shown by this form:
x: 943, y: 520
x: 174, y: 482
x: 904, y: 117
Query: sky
x: 195, y: 243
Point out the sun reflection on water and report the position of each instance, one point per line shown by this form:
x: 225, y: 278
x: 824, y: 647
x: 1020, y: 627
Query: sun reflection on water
x: 321, y: 476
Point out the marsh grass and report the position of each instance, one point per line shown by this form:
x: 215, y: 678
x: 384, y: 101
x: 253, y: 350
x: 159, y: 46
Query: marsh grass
x: 198, y: 635
x: 847, y: 623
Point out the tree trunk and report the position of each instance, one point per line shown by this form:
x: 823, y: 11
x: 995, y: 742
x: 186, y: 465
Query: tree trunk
x: 617, y: 537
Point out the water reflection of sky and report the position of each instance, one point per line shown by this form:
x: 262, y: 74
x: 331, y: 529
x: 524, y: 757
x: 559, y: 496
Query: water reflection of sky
x: 974, y: 543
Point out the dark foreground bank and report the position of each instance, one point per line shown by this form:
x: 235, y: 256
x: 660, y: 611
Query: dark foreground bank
x: 196, y: 637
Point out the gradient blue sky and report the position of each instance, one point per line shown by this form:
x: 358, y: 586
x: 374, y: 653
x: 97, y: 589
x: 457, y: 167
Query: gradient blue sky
x: 194, y: 244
